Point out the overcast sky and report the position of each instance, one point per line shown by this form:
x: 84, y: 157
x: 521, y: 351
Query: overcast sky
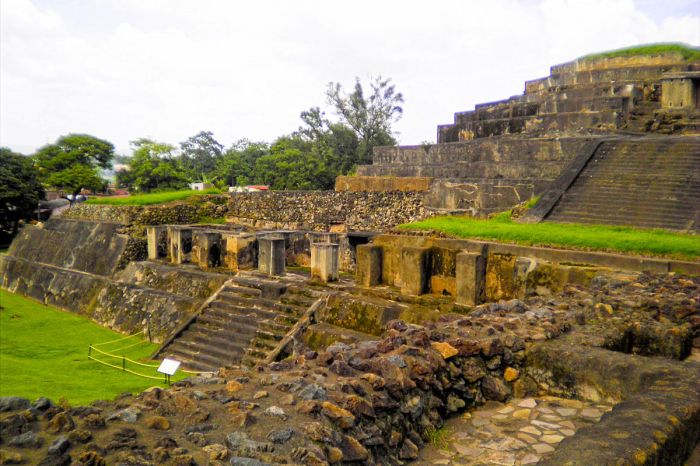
x: 167, y: 69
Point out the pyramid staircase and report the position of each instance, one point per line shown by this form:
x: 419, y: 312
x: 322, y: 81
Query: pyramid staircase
x: 652, y: 183
x: 242, y: 324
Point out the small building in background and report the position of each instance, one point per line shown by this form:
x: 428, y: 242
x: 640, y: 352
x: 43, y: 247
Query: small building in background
x: 200, y: 186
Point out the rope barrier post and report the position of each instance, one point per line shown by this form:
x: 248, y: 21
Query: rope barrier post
x: 148, y: 327
x: 89, y: 351
x: 123, y: 363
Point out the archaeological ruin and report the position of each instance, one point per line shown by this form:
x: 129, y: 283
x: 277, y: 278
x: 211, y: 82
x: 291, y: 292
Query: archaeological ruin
x: 324, y: 335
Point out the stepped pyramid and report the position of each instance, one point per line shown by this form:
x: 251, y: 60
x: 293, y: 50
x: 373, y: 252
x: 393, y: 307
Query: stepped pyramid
x: 502, y: 153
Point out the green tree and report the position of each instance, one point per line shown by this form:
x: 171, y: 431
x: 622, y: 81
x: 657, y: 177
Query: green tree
x: 74, y: 161
x: 153, y: 166
x: 200, y: 154
x: 20, y: 192
x: 292, y: 164
x: 236, y: 165
x: 369, y: 117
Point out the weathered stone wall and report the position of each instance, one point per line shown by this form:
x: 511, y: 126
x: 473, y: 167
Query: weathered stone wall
x: 382, y: 183
x: 326, y: 210
x: 137, y: 217
x: 296, y: 210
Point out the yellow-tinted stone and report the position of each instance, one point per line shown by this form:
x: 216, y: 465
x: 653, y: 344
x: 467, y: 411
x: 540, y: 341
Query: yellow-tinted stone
x: 445, y: 349
x: 511, y: 374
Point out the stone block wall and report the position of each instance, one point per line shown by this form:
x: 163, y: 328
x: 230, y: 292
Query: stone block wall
x: 326, y: 210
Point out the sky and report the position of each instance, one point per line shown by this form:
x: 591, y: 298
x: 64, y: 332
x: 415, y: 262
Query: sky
x: 168, y: 69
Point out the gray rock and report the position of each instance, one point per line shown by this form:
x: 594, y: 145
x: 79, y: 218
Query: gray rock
x: 398, y: 360
x: 337, y: 348
x: 280, y: 436
x: 56, y: 460
x: 13, y: 403
x: 26, y: 440
x: 313, y: 392
x: 240, y: 443
x: 42, y: 404
x: 275, y: 411
x: 243, y: 461
x: 454, y: 404
x: 130, y: 415
x: 59, y: 446
x: 494, y: 388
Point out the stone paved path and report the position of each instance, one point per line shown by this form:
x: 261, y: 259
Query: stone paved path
x: 519, y: 432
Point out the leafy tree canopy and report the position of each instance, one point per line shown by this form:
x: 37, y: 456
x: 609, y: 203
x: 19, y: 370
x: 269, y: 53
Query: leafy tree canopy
x: 153, y: 166
x: 371, y: 116
x: 199, y: 155
x: 20, y: 191
x: 73, y: 162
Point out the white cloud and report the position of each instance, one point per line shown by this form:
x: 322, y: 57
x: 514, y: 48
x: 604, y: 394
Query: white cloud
x: 123, y: 69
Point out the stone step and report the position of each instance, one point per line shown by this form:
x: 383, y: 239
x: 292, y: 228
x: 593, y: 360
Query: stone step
x: 268, y: 304
x: 264, y: 345
x: 618, y: 220
x: 242, y: 290
x: 203, y: 349
x: 275, y: 327
x: 218, y: 324
x: 235, y: 309
x: 623, y: 211
x: 268, y: 335
x: 229, y: 341
x: 188, y: 355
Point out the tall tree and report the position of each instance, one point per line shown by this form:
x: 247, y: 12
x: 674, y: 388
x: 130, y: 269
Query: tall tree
x: 74, y: 162
x: 200, y: 154
x: 20, y: 192
x: 369, y: 117
x: 153, y: 166
x: 236, y: 165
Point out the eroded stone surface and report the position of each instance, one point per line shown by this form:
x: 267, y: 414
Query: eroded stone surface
x: 507, y: 434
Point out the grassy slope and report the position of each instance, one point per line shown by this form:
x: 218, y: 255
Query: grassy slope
x: 689, y: 53
x: 587, y: 237
x: 151, y: 198
x: 43, y: 352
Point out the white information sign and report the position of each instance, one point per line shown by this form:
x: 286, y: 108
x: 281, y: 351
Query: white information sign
x: 168, y: 366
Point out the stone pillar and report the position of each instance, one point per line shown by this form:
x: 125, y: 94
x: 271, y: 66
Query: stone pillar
x: 324, y: 237
x: 240, y: 251
x: 324, y: 261
x: 157, y: 237
x: 271, y: 255
x: 180, y: 244
x: 206, y: 248
x: 470, y: 273
x: 369, y: 265
x: 415, y: 270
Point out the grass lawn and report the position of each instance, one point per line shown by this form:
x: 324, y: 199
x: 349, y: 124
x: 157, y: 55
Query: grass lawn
x: 688, y: 53
x: 151, y: 198
x: 572, y: 236
x: 43, y: 352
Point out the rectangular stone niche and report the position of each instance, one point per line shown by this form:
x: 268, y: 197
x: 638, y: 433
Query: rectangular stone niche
x: 470, y: 277
x: 324, y: 261
x: 415, y: 270
x: 271, y: 255
x: 240, y: 251
x: 157, y: 237
x: 369, y: 265
x: 179, y: 244
x: 206, y: 249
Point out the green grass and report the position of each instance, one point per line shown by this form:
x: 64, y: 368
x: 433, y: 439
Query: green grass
x: 587, y: 237
x: 687, y: 52
x: 439, y: 438
x: 212, y: 221
x: 43, y: 352
x: 151, y: 198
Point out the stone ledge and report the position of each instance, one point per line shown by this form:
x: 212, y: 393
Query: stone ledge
x: 657, y: 420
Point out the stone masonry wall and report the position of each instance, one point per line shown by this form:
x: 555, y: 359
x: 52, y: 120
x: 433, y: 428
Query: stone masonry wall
x: 325, y: 210
x: 302, y: 210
